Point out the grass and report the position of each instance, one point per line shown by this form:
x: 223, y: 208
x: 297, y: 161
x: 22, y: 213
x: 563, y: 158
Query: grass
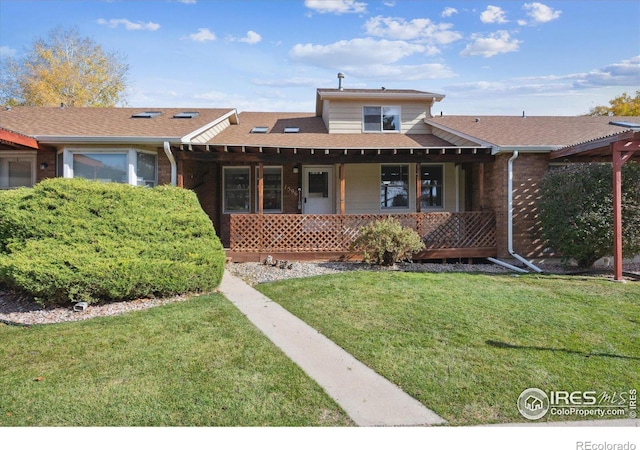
x: 467, y: 345
x: 195, y: 363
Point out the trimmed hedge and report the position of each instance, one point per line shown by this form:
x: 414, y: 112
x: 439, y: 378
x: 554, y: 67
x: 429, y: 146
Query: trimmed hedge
x: 76, y: 240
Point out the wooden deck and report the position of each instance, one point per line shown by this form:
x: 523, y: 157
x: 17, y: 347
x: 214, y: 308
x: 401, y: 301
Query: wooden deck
x: 327, y: 237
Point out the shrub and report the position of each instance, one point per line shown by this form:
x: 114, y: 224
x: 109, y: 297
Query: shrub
x: 76, y: 240
x: 387, y: 241
x: 576, y: 211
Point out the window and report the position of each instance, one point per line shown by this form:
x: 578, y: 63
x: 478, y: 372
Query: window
x: 260, y: 130
x: 381, y: 118
x: 100, y: 166
x: 236, y: 194
x: 16, y: 171
x: 271, y: 189
x: 394, y: 186
x: 129, y: 166
x: 146, y: 169
x: 432, y: 181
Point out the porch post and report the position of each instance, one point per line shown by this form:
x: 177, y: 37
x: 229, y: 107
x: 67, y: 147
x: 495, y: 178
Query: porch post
x: 481, y: 186
x: 618, y: 160
x: 260, y: 188
x: 418, y: 186
x: 342, y: 188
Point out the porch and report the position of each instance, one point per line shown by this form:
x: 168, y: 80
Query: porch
x: 329, y: 236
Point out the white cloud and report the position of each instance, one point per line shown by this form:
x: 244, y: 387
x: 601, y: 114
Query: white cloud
x: 251, y: 38
x: 129, y: 25
x: 203, y: 35
x: 448, y: 12
x: 541, y: 13
x: 422, y: 30
x: 336, y: 6
x: 624, y: 73
x: 493, y: 14
x: 187, y: 2
x: 354, y: 52
x: 494, y: 44
x: 7, y: 52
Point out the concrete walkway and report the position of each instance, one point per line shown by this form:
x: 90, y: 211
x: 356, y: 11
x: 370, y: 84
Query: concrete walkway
x: 368, y: 398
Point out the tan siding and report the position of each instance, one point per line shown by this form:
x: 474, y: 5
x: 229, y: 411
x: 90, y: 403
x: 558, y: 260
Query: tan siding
x: 211, y: 132
x: 346, y: 117
x: 454, y: 139
x: 362, y: 191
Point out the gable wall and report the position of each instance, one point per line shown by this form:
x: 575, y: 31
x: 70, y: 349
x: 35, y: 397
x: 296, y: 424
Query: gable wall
x: 211, y: 132
x: 346, y: 116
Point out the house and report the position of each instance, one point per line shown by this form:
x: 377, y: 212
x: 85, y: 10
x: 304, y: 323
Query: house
x: 299, y: 185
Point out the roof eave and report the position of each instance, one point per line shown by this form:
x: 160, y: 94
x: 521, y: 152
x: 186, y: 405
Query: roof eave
x: 524, y: 149
x: 140, y: 140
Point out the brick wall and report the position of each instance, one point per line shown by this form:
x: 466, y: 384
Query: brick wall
x: 47, y: 157
x: 528, y: 169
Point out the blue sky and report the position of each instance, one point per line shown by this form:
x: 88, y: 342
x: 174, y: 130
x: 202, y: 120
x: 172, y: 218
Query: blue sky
x: 489, y: 57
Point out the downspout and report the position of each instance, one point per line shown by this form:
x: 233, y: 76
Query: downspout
x: 172, y: 161
x: 510, y: 217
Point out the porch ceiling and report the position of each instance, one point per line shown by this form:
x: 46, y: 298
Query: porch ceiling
x: 245, y: 153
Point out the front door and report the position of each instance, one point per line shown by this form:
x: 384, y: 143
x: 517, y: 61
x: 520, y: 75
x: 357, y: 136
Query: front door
x: 317, y: 190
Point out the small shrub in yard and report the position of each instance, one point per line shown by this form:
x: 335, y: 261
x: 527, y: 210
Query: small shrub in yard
x: 77, y: 240
x: 386, y: 241
x: 576, y: 211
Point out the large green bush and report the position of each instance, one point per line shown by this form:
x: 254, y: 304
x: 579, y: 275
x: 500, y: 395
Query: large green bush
x: 76, y: 240
x: 576, y: 211
x: 387, y: 242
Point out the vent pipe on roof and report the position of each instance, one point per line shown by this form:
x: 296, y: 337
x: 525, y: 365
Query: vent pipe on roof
x: 340, y: 78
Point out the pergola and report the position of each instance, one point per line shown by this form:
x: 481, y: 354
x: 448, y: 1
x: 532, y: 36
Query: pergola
x: 618, y: 148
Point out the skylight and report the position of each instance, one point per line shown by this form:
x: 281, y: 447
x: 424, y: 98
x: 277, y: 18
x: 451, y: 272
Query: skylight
x: 626, y: 124
x: 146, y: 115
x: 259, y: 129
x: 291, y: 129
x: 186, y: 115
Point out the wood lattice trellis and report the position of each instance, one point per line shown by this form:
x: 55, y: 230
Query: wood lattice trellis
x: 293, y: 233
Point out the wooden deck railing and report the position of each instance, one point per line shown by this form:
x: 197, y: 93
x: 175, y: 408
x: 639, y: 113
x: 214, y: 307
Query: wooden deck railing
x: 466, y: 234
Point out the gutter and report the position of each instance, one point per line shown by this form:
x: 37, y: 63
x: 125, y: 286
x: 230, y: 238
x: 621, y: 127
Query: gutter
x: 172, y: 161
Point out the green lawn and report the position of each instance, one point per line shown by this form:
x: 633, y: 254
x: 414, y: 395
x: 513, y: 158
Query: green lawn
x: 467, y: 345
x: 194, y: 363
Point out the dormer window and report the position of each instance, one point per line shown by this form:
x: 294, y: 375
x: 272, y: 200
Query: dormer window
x: 381, y: 119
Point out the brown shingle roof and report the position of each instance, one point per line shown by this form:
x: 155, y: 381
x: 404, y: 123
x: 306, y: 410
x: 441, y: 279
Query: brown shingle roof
x: 313, y: 134
x: 104, y: 122
x: 532, y: 131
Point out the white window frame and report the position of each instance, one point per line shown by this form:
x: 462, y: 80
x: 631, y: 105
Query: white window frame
x: 130, y: 152
x: 5, y: 157
x: 382, y: 108
x: 391, y: 208
x: 444, y: 175
x: 270, y: 211
x: 224, y: 190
